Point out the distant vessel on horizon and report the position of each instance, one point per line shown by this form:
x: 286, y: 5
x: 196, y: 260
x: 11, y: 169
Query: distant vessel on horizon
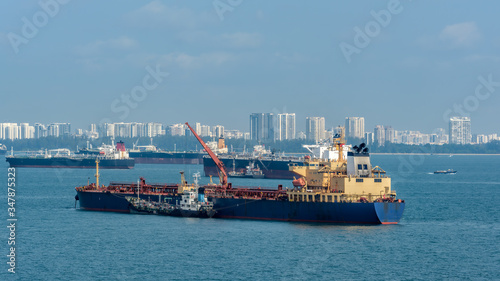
x: 63, y: 158
x: 3, y: 149
x: 449, y: 171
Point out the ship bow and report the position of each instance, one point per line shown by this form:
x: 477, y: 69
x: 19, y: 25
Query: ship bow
x: 389, y: 212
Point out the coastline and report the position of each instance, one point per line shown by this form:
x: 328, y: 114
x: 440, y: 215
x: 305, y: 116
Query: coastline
x: 437, y: 154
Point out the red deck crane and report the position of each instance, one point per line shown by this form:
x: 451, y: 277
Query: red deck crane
x: 220, y: 165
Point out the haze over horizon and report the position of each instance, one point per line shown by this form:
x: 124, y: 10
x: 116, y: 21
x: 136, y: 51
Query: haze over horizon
x: 407, y: 64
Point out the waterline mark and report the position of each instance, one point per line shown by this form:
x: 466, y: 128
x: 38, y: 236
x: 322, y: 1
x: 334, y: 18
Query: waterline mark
x: 12, y: 220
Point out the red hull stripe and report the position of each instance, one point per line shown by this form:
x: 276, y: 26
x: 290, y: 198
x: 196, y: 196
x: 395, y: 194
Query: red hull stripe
x: 106, y: 210
x: 389, y: 222
x: 298, y: 220
x: 72, y: 167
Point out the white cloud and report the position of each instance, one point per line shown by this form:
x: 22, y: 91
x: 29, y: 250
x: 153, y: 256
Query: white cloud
x: 461, y: 34
x: 479, y: 58
x: 292, y: 57
x: 157, y: 14
x: 187, y: 61
x: 182, y: 60
x: 241, y: 39
x: 120, y: 43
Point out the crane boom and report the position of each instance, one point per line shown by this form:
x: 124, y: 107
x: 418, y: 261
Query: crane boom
x: 220, y: 165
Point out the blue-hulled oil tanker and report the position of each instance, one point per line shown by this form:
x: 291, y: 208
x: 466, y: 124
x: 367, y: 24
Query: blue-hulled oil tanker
x: 343, y: 190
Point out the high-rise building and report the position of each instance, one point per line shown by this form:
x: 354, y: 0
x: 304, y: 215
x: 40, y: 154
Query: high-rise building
x: 177, y: 129
x: 262, y: 126
x: 355, y: 127
x: 205, y: 131
x: 285, y: 126
x: 26, y: 131
x: 218, y: 131
x: 9, y: 131
x: 390, y: 134
x: 315, y: 128
x: 153, y: 129
x: 40, y: 131
x: 197, y: 128
x: 369, y: 138
x: 460, y: 131
x: 379, y: 134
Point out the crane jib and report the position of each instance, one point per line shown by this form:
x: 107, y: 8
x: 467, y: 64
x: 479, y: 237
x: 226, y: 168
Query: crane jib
x: 220, y: 165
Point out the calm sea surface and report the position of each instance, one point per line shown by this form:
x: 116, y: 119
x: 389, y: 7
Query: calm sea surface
x: 450, y: 230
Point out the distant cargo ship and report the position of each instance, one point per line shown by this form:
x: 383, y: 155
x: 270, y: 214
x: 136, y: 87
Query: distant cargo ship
x: 3, y: 149
x: 272, y: 165
x: 149, y: 154
x: 62, y: 158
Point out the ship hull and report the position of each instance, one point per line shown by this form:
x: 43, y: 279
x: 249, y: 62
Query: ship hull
x: 272, y: 169
x: 151, y: 157
x: 257, y: 209
x: 335, y: 213
x: 115, y: 202
x: 64, y: 162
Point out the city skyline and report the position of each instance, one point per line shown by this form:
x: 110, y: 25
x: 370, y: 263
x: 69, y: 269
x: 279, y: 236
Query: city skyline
x: 265, y: 127
x: 152, y: 65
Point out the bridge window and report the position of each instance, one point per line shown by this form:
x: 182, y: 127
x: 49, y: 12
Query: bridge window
x: 378, y: 180
x: 360, y: 167
x: 359, y: 180
x: 365, y: 167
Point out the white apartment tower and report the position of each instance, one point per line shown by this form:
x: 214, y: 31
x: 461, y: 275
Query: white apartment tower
x: 315, y: 128
x: 460, y: 132
x: 355, y: 127
x: 285, y: 126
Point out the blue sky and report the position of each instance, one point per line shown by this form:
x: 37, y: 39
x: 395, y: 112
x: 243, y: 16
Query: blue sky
x: 88, y: 61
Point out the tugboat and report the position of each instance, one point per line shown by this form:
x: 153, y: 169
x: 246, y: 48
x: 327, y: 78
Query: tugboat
x: 192, y: 203
x: 251, y: 171
x: 446, y: 172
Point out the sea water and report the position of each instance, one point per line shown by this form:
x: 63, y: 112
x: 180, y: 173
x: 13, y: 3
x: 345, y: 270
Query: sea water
x: 450, y: 230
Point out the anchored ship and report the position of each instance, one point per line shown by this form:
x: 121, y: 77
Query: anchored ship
x: 149, y: 154
x: 3, y: 149
x: 111, y: 158
x: 345, y: 189
x: 273, y: 166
